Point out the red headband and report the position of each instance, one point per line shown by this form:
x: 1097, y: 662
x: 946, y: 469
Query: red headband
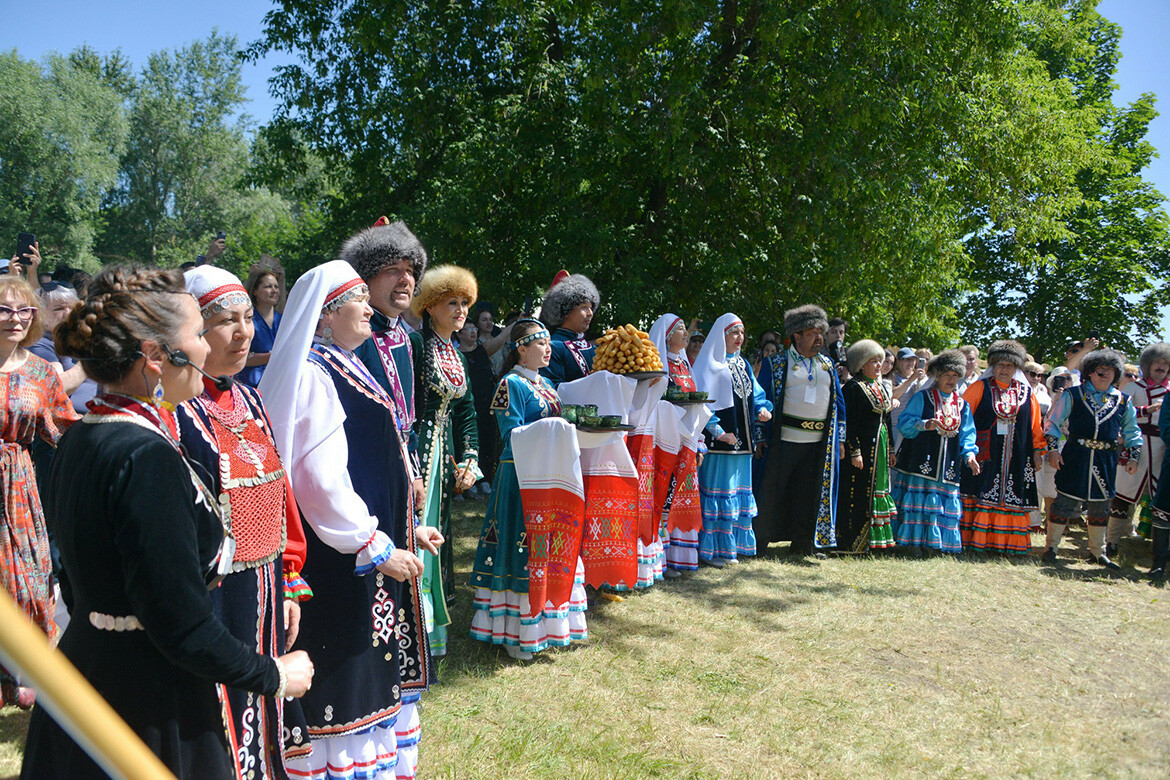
x: 211, y: 295
x: 354, y: 282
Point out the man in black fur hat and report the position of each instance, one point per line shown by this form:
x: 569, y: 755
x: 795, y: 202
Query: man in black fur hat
x: 567, y: 310
x: 390, y: 260
x: 804, y: 441
x: 1097, y: 414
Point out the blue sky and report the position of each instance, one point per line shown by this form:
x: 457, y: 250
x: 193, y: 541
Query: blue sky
x: 138, y: 28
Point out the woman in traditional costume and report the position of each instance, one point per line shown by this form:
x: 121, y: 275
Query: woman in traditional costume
x: 1147, y: 395
x: 725, y: 478
x: 226, y: 432
x: 682, y: 517
x: 503, y: 614
x: 448, y: 434
x: 142, y: 541
x: 34, y: 407
x: 336, y: 431
x: 865, y: 507
x: 567, y: 309
x: 1083, y: 429
x: 998, y: 501
x: 938, y: 439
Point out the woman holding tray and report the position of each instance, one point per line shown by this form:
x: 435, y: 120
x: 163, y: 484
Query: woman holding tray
x: 503, y: 614
x: 682, y: 516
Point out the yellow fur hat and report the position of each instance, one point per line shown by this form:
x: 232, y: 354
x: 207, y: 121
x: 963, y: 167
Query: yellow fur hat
x: 439, y: 282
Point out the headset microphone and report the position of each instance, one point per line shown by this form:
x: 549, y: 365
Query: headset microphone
x: 178, y: 358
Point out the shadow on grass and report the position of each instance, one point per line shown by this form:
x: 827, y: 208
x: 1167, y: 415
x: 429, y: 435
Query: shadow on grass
x: 13, y: 726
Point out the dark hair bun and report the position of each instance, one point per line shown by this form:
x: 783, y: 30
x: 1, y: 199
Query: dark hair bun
x: 124, y: 306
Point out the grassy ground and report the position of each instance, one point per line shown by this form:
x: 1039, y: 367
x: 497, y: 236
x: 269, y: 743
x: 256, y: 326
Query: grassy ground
x: 848, y: 668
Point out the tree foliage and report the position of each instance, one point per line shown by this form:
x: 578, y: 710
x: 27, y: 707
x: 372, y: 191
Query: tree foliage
x: 1106, y: 271
x: 696, y: 156
x: 61, y: 134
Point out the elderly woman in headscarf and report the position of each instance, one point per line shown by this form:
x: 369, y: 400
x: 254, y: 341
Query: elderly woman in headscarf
x: 335, y: 428
x: 682, y: 516
x: 998, y: 501
x: 865, y: 507
x: 725, y: 478
x: 446, y: 424
x: 567, y: 310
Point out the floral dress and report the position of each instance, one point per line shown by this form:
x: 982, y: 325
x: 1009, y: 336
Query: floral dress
x: 32, y: 404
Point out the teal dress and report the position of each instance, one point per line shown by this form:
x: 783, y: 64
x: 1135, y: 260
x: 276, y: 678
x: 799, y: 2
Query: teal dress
x: 500, y: 574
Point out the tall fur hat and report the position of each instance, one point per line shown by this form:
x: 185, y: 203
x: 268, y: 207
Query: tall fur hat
x: 1007, y: 351
x: 1103, y: 357
x: 441, y: 281
x: 386, y: 243
x: 861, y: 353
x: 565, y: 295
x: 802, y: 317
x: 950, y: 360
x: 1155, y: 353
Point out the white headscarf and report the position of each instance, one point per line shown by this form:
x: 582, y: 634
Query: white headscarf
x: 297, y: 328
x: 660, y: 332
x: 711, y: 372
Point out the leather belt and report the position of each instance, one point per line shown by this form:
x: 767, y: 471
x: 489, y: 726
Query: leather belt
x: 1097, y: 444
x: 802, y: 424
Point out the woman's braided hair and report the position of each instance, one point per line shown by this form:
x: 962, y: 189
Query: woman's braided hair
x: 124, y: 306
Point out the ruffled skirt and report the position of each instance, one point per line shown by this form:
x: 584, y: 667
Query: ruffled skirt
x: 928, y: 513
x: 725, y: 487
x: 387, y: 751
x: 501, y: 618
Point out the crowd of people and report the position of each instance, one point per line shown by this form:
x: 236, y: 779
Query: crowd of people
x: 247, y: 497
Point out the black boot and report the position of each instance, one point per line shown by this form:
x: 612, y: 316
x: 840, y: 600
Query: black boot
x: 1161, y: 550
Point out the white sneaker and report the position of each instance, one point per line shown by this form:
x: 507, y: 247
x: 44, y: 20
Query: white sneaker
x: 517, y: 653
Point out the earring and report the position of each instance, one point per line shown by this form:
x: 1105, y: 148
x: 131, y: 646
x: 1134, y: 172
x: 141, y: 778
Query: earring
x: 156, y: 397
x: 327, y: 336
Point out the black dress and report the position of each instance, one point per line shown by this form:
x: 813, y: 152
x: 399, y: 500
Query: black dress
x: 864, y: 506
x: 137, y: 541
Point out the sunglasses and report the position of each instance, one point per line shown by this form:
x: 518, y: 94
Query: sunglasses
x: 1131, y: 376
x: 1033, y: 374
x: 50, y: 286
x: 24, y: 314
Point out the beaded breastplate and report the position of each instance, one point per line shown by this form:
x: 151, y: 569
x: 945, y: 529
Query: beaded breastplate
x: 252, y: 483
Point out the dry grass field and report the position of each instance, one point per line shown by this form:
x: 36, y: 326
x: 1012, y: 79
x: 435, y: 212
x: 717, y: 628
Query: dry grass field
x: 876, y: 667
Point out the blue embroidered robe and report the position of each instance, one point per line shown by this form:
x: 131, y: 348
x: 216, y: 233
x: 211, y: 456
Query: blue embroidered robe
x: 773, y: 375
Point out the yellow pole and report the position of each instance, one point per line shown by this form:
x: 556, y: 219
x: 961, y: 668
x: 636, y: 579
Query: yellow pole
x: 72, y: 701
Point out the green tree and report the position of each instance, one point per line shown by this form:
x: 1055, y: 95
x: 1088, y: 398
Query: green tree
x: 185, y: 156
x: 62, y: 132
x: 693, y: 157
x: 1105, y: 272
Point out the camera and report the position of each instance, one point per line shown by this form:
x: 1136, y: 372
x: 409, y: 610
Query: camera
x: 836, y: 353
